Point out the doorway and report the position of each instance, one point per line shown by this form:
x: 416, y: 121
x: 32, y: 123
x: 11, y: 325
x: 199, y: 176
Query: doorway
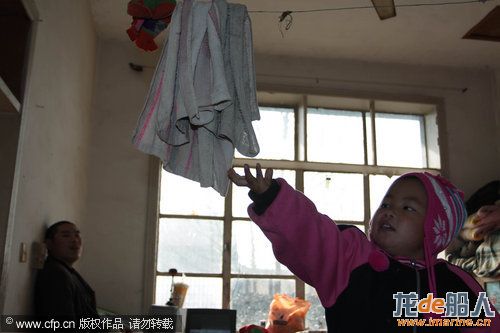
x: 15, y: 26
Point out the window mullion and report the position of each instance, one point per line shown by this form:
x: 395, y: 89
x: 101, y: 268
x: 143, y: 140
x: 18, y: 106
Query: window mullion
x: 300, y: 130
x: 374, y: 136
x: 366, y: 189
x: 423, y: 135
x: 365, y: 137
x: 300, y: 288
x: 226, y: 249
x: 301, y: 155
x: 152, y: 226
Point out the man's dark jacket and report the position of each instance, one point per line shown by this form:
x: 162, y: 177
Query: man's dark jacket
x: 61, y: 291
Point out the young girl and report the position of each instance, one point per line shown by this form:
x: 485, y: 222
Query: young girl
x: 366, y: 285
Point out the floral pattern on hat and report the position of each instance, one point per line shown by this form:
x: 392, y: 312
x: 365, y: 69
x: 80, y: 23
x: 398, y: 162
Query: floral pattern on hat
x: 440, y: 232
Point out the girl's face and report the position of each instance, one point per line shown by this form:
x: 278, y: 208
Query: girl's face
x: 398, y: 225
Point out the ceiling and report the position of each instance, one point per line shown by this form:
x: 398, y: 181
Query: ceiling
x: 418, y: 35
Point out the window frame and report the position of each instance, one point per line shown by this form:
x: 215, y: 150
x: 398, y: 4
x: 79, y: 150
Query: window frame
x: 300, y: 164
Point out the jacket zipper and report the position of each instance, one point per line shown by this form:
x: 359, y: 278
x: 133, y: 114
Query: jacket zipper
x: 413, y: 264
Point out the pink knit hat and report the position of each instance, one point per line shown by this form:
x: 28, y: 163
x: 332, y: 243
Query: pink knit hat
x: 445, y: 217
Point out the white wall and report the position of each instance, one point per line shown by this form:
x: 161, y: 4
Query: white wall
x: 115, y: 222
x: 51, y: 168
x: 114, y: 231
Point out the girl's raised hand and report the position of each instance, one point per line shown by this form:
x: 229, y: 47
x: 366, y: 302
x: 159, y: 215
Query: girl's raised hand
x: 258, y: 184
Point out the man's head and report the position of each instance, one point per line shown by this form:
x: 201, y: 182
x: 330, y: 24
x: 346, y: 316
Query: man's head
x: 63, y: 242
x: 418, y: 217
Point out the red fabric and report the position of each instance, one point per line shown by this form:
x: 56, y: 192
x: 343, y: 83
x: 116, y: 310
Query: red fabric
x: 253, y: 329
x: 162, y: 11
x: 155, y: 18
x: 145, y: 41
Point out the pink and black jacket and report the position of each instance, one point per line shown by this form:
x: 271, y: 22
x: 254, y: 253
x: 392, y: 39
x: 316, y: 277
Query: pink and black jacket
x: 345, y: 267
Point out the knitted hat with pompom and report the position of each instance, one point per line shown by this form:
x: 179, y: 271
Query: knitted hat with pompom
x: 444, y: 218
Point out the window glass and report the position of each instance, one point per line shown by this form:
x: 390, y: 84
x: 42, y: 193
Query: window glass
x: 338, y: 195
x: 400, y: 140
x: 335, y: 136
x: 203, y: 292
x: 191, y: 221
x: 240, y: 193
x: 275, y: 133
x: 190, y: 245
x: 180, y: 195
x: 252, y: 252
x: 251, y: 298
x: 315, y: 319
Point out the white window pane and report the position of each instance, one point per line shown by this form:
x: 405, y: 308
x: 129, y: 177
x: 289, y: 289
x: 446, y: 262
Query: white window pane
x: 183, y: 196
x: 252, y: 252
x: 315, y: 319
x: 379, y: 184
x: 338, y: 195
x: 251, y: 298
x: 335, y: 136
x: 240, y: 193
x: 163, y: 285
x: 193, y: 246
x: 275, y: 133
x: 399, y: 140
x: 201, y: 293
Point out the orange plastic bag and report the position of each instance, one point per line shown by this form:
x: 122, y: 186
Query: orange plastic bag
x: 287, y: 314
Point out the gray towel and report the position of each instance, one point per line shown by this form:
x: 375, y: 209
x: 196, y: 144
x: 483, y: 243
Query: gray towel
x: 202, y: 98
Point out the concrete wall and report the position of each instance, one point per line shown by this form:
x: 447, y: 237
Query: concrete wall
x: 114, y: 230
x: 50, y: 181
x: 118, y: 174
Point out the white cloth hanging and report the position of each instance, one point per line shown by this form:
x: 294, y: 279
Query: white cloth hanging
x: 202, y: 99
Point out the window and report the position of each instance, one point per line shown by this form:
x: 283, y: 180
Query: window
x: 343, y: 153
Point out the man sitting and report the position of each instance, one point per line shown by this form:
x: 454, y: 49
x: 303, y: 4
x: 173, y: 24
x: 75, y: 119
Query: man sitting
x: 59, y: 289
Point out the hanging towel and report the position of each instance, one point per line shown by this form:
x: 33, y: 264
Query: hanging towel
x: 202, y: 98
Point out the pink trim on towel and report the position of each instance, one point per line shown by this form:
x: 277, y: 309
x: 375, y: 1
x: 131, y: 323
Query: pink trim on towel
x: 190, y: 157
x: 153, y: 106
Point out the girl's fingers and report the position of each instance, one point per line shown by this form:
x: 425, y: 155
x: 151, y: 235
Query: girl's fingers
x: 249, y: 177
x: 256, y: 183
x: 269, y: 175
x: 237, y: 179
x: 258, y: 171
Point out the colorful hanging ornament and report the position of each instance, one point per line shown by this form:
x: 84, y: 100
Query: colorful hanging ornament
x: 149, y: 18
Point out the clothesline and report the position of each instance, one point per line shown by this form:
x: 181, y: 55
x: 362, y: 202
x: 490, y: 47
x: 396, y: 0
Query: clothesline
x: 286, y: 19
x: 367, y: 7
